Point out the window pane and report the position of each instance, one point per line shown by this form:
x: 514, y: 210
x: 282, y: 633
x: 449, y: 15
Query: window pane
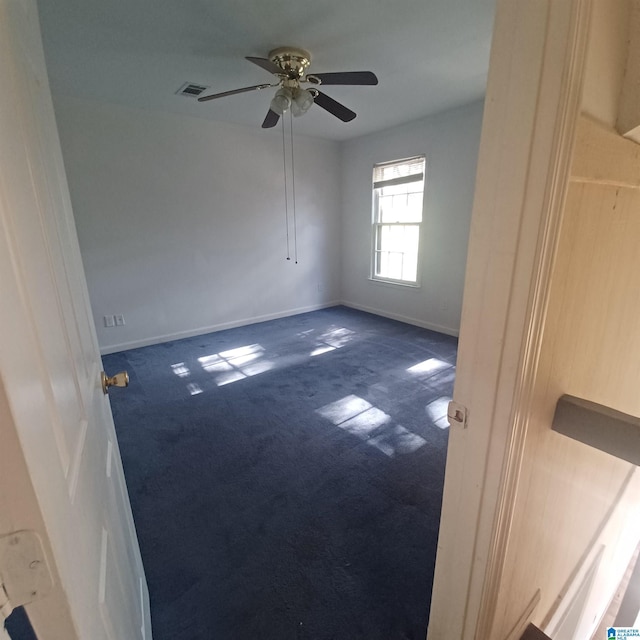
x: 394, y: 268
x: 386, y: 212
x: 392, y: 238
x: 396, y: 254
x: 400, y: 203
x: 410, y: 267
x: 411, y: 243
x: 414, y: 208
x: 401, y: 188
x: 411, y: 238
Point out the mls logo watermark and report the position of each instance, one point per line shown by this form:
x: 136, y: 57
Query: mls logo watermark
x: 622, y: 633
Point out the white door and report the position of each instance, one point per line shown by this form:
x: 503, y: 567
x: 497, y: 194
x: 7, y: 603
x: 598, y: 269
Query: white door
x: 530, y: 109
x: 60, y: 467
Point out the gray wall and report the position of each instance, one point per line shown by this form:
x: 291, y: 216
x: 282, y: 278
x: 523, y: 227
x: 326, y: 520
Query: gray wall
x: 450, y: 141
x: 182, y: 226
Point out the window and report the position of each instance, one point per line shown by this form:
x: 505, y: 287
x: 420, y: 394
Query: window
x: 398, y: 190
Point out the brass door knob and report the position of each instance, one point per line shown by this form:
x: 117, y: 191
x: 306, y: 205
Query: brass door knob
x: 119, y: 380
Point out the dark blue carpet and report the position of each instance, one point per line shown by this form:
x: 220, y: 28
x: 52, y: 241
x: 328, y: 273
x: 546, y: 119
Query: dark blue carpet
x: 286, y: 477
x: 18, y: 625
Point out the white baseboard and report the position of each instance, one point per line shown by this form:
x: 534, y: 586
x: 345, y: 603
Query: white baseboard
x: 396, y: 316
x: 145, y: 342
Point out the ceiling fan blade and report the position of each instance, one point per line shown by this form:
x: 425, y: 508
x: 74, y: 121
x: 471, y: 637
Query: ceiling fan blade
x: 271, y: 119
x: 334, y: 107
x: 347, y: 77
x: 266, y: 64
x: 214, y: 96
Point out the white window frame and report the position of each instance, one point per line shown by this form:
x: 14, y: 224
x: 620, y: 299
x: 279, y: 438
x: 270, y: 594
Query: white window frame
x: 377, y: 224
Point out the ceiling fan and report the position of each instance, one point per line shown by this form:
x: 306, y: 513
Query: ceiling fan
x: 289, y: 65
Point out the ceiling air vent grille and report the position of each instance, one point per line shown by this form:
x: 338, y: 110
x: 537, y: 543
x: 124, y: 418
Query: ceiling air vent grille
x: 191, y: 90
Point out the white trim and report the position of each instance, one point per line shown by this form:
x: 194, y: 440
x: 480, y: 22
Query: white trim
x: 395, y: 283
x: 376, y: 224
x: 550, y: 176
x: 396, y: 316
x: 178, y: 335
x: 533, y: 92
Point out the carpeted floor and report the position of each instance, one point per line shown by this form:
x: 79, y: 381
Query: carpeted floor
x: 286, y: 477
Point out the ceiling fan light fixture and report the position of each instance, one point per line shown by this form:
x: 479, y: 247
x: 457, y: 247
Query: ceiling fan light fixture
x: 289, y: 66
x: 282, y: 101
x: 302, y: 101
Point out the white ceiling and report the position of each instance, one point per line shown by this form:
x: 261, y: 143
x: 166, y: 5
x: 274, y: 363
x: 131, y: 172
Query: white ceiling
x: 429, y: 55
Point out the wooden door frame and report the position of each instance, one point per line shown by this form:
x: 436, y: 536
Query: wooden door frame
x: 532, y: 104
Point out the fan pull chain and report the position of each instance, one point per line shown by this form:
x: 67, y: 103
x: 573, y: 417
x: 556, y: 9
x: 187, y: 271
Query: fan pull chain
x: 286, y: 200
x: 293, y: 189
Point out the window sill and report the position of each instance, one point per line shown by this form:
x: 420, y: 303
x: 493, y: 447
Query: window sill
x: 395, y: 283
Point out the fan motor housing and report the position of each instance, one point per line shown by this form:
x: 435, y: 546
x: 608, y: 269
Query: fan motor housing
x: 291, y: 60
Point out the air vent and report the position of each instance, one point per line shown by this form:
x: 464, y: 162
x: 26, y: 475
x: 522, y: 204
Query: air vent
x: 191, y: 90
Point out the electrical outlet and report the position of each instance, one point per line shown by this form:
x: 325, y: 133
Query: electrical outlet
x: 109, y: 321
x: 119, y: 319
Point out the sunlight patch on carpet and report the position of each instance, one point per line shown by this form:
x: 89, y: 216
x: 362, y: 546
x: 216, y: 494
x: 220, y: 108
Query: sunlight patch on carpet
x: 337, y: 336
x: 343, y: 409
x: 397, y: 440
x: 437, y: 411
x: 362, y: 419
x: 320, y: 349
x: 181, y: 369
x: 236, y: 364
x: 432, y: 365
x: 194, y: 389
